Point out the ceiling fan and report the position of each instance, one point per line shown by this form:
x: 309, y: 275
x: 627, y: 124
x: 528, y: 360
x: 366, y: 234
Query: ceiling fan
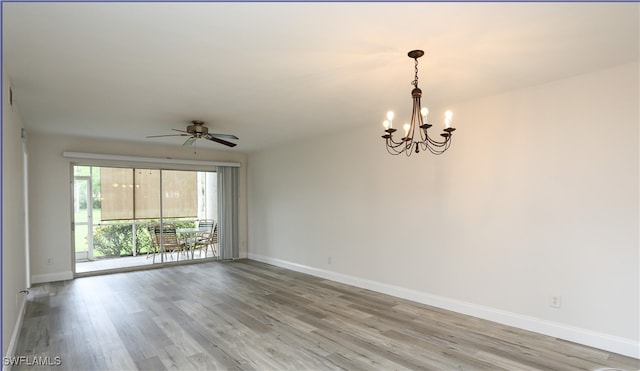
x: 196, y: 131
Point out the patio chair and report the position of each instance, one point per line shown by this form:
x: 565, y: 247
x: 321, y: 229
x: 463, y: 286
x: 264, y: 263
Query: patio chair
x: 205, y: 228
x: 169, y: 241
x: 154, y: 245
x: 208, y: 238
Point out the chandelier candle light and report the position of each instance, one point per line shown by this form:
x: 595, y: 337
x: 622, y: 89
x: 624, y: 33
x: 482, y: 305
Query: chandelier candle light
x: 411, y: 142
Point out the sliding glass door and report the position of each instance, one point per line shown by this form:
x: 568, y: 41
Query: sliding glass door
x: 120, y: 215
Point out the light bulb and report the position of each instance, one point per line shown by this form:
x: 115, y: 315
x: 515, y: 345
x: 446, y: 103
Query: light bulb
x: 386, y: 124
x: 406, y: 129
x: 390, y: 115
x: 448, y: 115
x: 424, y: 111
x: 447, y: 119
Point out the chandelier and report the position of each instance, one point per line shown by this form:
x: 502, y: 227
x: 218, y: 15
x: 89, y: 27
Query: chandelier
x: 412, y: 142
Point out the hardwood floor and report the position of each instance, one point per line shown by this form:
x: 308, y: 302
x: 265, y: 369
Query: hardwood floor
x: 253, y: 316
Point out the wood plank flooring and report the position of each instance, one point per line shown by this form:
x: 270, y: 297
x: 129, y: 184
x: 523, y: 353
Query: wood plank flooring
x: 247, y: 315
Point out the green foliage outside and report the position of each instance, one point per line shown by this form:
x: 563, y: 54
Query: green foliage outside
x: 117, y: 239
x: 97, y: 203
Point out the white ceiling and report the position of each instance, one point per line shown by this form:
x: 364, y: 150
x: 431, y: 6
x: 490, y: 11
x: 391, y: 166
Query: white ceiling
x: 277, y: 72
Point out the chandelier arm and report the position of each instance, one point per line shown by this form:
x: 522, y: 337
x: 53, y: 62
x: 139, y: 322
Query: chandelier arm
x: 438, y: 143
x: 390, y: 148
x: 435, y: 144
x: 423, y: 134
x: 396, y: 148
x: 394, y: 143
x: 424, y: 145
x: 411, y: 146
x: 405, y: 142
x: 438, y: 151
x: 419, y: 119
x: 393, y: 147
x: 395, y: 153
x: 408, y: 152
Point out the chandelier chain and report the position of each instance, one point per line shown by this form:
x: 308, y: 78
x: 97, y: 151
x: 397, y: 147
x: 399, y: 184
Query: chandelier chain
x: 415, y: 78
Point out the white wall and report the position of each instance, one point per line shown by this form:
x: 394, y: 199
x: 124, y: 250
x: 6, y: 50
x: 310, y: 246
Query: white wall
x: 537, y: 197
x: 50, y: 193
x: 13, y: 221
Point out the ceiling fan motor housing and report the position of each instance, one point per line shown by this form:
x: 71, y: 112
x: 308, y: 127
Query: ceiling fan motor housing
x: 197, y: 129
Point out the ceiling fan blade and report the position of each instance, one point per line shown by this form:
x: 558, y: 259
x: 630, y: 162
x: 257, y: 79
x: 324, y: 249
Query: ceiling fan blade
x: 182, y: 131
x: 189, y: 142
x: 168, y: 135
x: 221, y: 141
x: 224, y: 136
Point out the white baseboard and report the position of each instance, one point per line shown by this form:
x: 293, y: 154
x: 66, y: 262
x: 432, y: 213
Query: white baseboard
x: 51, y: 277
x: 611, y: 343
x: 15, y: 336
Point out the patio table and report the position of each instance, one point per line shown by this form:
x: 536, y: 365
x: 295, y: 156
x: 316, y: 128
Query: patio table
x: 190, y: 235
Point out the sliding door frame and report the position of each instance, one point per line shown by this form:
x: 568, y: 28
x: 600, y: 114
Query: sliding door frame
x: 206, y: 167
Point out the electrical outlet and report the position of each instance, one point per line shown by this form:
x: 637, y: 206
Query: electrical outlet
x: 555, y: 302
x: 49, y: 261
x: 329, y: 260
